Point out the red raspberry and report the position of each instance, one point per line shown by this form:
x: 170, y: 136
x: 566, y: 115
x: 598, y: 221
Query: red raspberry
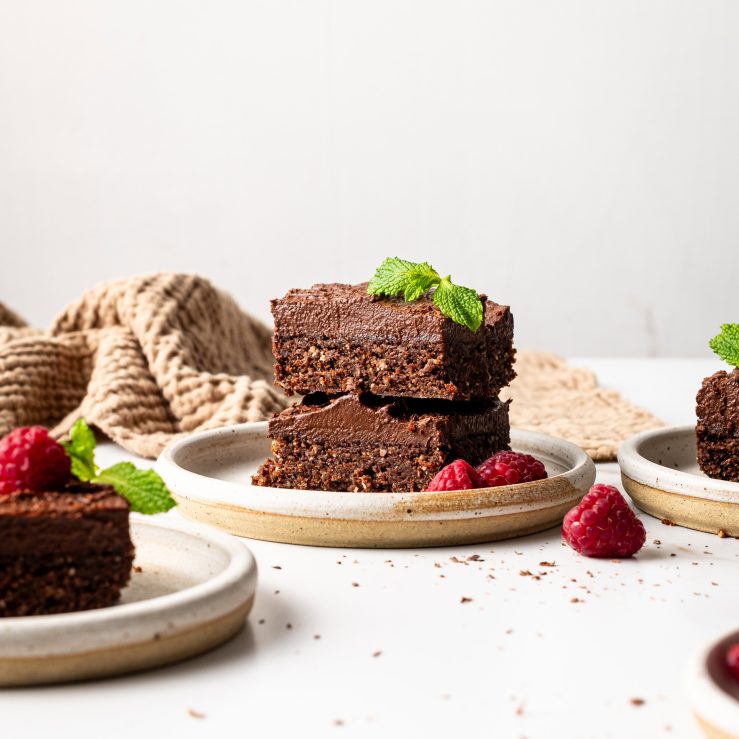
x: 603, y: 525
x: 732, y: 660
x: 459, y: 475
x: 31, y: 460
x: 509, y: 468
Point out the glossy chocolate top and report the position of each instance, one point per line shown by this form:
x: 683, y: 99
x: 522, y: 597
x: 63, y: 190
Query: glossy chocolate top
x: 348, y: 312
x: 372, y: 420
x: 80, y: 518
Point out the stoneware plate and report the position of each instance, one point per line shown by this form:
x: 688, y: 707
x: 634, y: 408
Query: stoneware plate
x: 659, y: 472
x: 713, y: 693
x: 193, y: 593
x: 210, y: 475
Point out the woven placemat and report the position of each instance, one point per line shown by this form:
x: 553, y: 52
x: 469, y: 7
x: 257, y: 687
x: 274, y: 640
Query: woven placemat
x: 552, y: 396
x: 146, y: 359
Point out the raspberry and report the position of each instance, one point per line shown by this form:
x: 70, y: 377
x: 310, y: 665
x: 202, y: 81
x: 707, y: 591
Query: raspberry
x: 509, y: 468
x: 459, y: 475
x: 732, y: 660
x: 31, y: 460
x: 603, y: 525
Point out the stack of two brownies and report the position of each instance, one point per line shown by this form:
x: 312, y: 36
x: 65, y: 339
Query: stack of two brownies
x: 393, y: 390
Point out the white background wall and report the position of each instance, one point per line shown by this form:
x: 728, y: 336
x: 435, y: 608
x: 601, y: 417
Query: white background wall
x: 579, y: 160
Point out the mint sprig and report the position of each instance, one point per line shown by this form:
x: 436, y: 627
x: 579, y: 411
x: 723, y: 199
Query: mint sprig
x: 144, y: 489
x: 414, y: 279
x: 726, y: 343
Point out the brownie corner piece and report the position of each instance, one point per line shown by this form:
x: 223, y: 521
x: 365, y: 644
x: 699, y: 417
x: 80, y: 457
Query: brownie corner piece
x: 717, y: 428
x: 335, y: 338
x: 62, y: 551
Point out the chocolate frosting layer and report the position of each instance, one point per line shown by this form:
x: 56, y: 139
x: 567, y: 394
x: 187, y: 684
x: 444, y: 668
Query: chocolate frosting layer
x: 79, y: 519
x: 348, y: 312
x: 372, y: 420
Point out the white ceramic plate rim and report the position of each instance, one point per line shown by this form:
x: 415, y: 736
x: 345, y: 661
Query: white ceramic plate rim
x: 709, y: 701
x: 241, y: 563
x: 356, y: 506
x: 642, y: 470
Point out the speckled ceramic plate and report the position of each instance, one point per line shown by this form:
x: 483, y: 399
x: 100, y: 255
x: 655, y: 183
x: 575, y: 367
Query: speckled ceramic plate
x: 713, y: 693
x: 210, y: 475
x: 660, y: 472
x: 193, y: 592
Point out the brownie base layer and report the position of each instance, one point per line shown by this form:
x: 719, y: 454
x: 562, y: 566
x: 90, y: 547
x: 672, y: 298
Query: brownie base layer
x: 366, y: 445
x: 719, y: 458
x: 46, y: 584
x: 311, y: 365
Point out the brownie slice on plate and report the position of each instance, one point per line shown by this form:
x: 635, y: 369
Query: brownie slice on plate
x: 66, y: 550
x: 336, y: 338
x: 717, y: 430
x: 365, y: 443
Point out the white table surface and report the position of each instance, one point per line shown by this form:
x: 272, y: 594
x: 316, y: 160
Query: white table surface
x: 399, y: 654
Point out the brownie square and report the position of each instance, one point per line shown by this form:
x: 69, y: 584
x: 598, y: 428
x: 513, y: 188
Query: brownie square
x: 717, y: 430
x: 336, y: 338
x: 363, y: 443
x: 63, y: 551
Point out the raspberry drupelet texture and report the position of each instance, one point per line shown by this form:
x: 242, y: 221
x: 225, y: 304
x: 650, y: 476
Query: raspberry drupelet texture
x: 31, y: 460
x: 510, y: 468
x: 459, y: 475
x: 603, y: 525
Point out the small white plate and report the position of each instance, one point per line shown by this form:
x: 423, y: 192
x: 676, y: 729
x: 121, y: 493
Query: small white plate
x: 210, y: 473
x: 660, y: 472
x: 194, y: 591
x: 713, y: 693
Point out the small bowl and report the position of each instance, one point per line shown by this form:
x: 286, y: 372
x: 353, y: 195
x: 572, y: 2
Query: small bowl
x: 660, y: 472
x: 712, y: 691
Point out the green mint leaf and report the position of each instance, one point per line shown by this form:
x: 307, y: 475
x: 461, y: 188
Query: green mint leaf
x: 726, y: 344
x: 461, y: 304
x: 81, y: 450
x: 144, y: 489
x: 395, y: 276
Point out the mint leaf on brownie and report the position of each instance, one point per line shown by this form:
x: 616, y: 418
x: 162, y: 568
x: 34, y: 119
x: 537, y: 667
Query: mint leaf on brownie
x: 81, y: 450
x: 144, y: 489
x: 461, y: 304
x: 414, y: 279
x: 395, y: 276
x: 726, y: 343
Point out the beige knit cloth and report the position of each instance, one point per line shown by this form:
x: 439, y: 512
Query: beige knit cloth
x: 147, y: 358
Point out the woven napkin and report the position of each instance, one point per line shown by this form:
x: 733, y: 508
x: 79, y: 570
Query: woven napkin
x: 146, y: 359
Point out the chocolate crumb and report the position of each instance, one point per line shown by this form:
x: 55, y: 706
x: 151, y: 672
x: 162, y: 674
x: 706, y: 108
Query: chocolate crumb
x: 137, y: 569
x: 637, y: 701
x: 668, y: 522
x: 261, y: 621
x: 355, y: 584
x: 547, y: 564
x: 465, y: 599
x: 525, y: 573
x: 657, y: 542
x: 288, y: 625
x: 276, y: 567
x: 377, y: 653
x: 576, y: 600
x: 338, y: 722
x: 316, y: 636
